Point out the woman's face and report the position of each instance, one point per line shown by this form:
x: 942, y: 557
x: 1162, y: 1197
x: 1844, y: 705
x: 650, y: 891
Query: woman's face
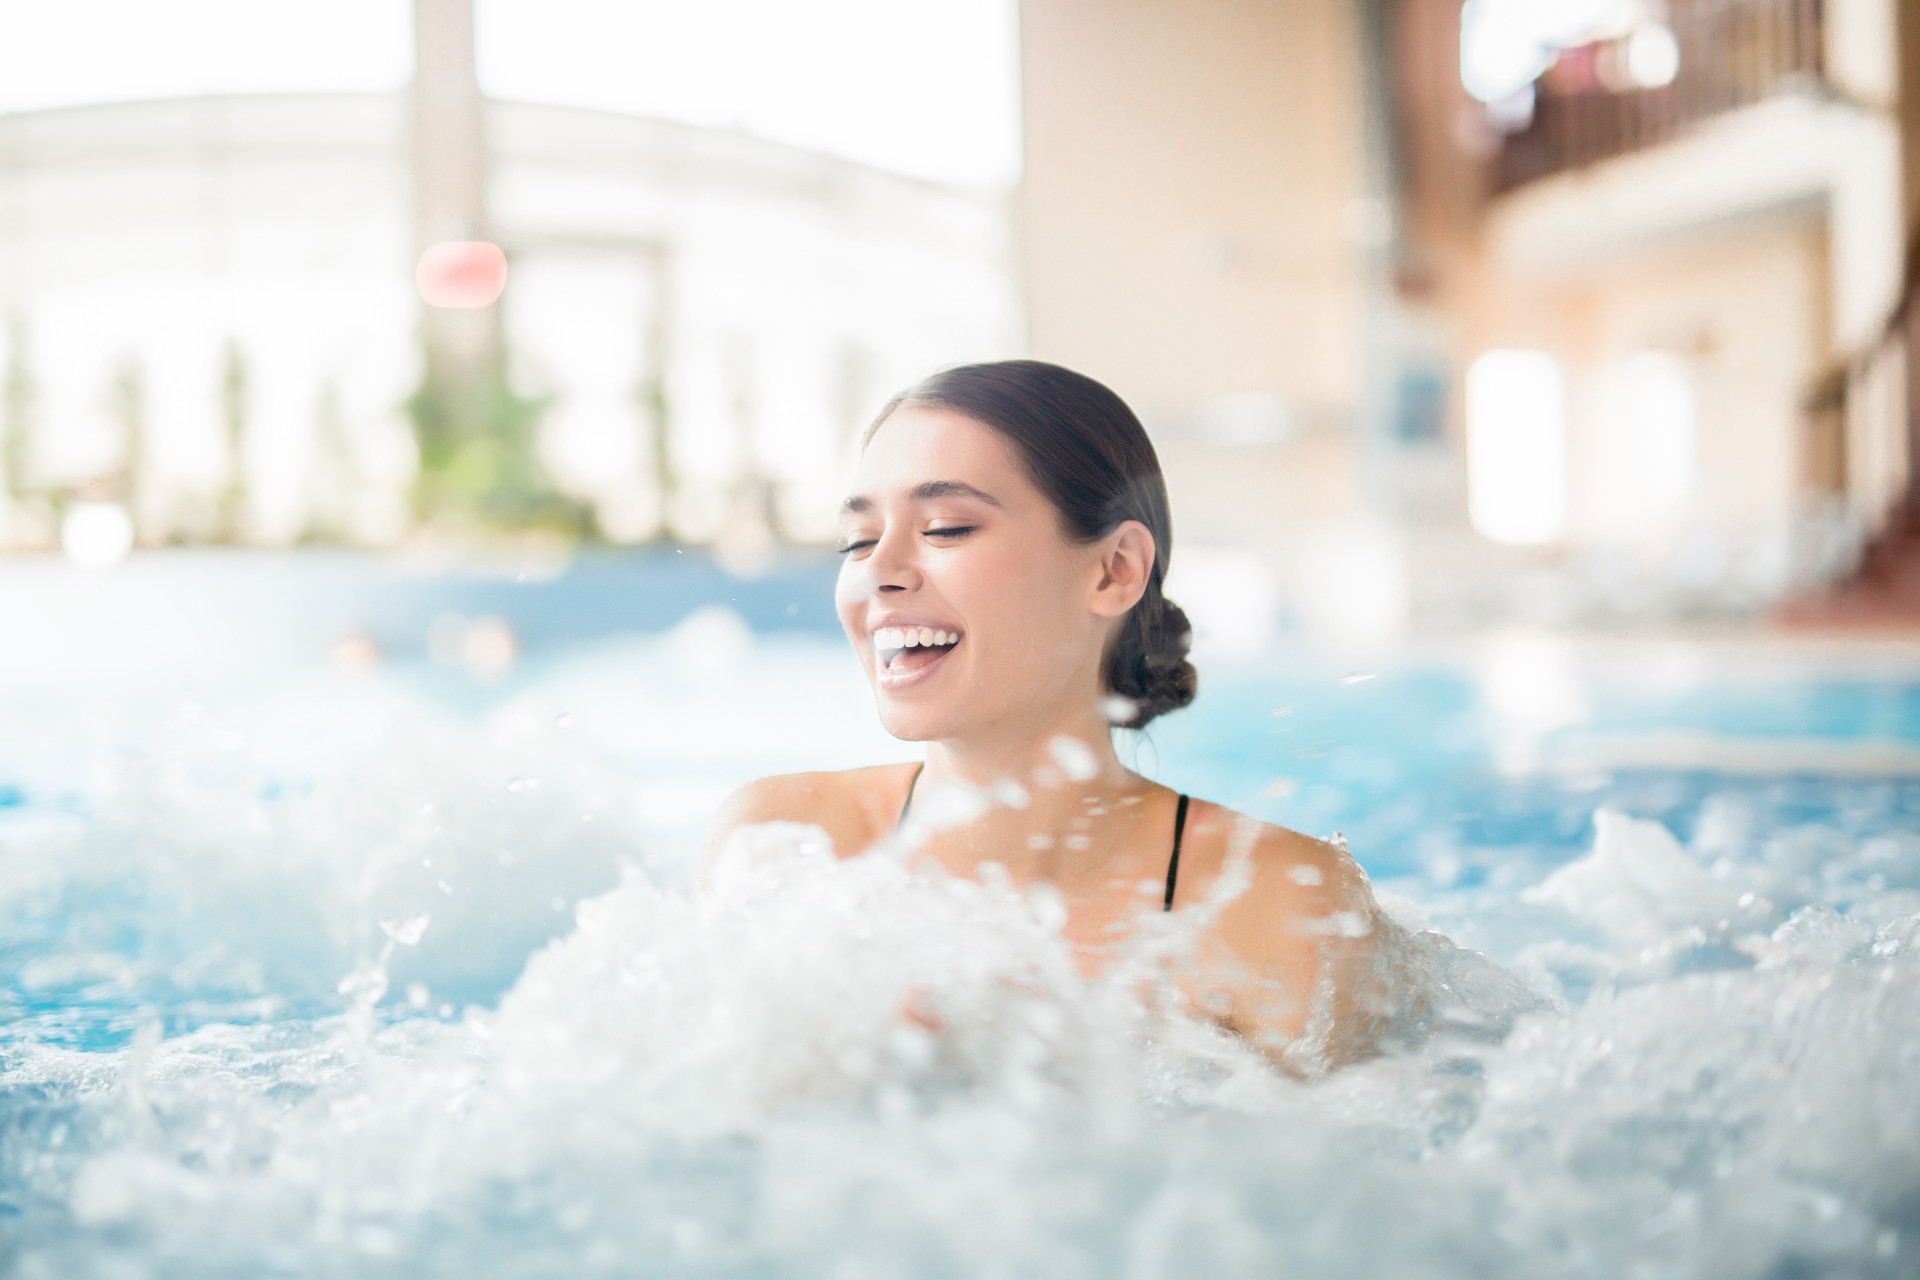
x: 969, y: 608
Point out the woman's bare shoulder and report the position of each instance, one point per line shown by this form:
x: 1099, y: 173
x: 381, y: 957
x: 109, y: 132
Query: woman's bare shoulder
x: 853, y: 806
x: 1286, y: 868
x: 1303, y: 917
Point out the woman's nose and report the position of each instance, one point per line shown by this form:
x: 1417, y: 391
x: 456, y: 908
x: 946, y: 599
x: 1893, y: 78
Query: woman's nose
x: 893, y: 564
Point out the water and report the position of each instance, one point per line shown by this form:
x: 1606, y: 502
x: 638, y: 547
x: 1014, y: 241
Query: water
x: 391, y: 972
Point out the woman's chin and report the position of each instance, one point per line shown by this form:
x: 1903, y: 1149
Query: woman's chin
x: 916, y: 724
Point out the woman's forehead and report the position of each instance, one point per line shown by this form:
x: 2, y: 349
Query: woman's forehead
x: 917, y: 444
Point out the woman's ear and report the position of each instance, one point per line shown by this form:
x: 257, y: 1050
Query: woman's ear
x: 1126, y: 563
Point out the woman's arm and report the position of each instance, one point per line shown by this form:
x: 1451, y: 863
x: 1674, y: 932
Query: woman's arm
x: 1301, y: 953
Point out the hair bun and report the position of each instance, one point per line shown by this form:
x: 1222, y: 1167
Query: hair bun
x: 1159, y: 679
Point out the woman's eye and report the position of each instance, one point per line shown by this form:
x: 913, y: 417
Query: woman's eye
x: 954, y: 531
x: 858, y: 544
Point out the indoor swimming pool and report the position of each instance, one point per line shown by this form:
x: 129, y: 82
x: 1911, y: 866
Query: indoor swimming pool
x: 362, y: 962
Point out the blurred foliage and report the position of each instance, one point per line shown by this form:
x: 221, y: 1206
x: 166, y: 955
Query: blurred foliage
x: 478, y: 468
x: 16, y: 407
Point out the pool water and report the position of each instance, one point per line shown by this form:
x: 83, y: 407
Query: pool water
x: 391, y: 971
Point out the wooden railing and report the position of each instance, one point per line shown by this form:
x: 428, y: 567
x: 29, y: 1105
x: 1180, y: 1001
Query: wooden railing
x: 1732, y: 52
x: 1861, y: 452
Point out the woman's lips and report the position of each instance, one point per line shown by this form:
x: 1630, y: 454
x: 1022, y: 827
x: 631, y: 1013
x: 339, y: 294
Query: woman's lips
x: 911, y: 666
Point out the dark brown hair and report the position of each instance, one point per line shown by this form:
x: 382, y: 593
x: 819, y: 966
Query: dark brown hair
x: 1087, y: 452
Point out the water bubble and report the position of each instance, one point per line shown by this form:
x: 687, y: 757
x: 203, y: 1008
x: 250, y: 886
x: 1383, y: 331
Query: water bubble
x: 558, y: 904
x: 1119, y: 710
x: 523, y: 784
x: 418, y: 996
x: 949, y: 804
x: 1010, y: 793
x: 1305, y: 873
x: 564, y: 720
x: 409, y: 931
x: 1073, y: 757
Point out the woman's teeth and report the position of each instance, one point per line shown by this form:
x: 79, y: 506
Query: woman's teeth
x: 891, y: 640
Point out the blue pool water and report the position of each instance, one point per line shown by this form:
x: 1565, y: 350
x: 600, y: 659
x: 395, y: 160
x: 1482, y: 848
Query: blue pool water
x: 323, y: 963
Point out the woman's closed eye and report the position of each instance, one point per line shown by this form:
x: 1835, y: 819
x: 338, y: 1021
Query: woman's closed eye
x: 944, y: 534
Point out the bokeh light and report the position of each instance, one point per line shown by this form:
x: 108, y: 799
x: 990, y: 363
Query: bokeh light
x: 96, y: 534
x: 461, y: 274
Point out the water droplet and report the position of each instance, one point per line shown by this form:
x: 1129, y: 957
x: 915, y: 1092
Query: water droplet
x: 409, y: 931
x: 1073, y: 757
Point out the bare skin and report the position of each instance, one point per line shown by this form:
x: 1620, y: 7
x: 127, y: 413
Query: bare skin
x: 944, y: 531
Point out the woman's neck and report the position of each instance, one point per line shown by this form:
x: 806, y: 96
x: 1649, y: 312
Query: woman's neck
x: 1072, y: 748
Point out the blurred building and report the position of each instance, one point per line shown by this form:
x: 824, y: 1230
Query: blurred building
x: 1658, y: 234
x: 210, y: 313
x: 1204, y: 220
x: 1552, y: 308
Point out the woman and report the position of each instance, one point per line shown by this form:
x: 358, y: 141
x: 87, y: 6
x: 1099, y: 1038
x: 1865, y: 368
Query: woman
x: 1006, y: 541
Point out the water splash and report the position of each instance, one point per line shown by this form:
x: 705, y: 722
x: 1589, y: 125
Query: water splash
x: 1697, y: 1059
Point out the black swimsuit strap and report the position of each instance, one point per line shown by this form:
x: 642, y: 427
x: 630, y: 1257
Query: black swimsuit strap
x: 908, y: 802
x: 1173, y: 863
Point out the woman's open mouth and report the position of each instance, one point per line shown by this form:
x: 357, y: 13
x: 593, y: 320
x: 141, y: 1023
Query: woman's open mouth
x: 904, y: 655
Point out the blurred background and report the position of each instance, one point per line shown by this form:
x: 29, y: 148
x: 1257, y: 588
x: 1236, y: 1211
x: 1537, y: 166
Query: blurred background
x: 1541, y: 311
x: 421, y: 429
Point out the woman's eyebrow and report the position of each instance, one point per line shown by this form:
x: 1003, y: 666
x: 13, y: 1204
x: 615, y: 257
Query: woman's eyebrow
x: 950, y: 489
x: 924, y: 491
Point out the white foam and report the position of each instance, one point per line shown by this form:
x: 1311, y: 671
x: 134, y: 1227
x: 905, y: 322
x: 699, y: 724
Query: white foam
x: 852, y: 1067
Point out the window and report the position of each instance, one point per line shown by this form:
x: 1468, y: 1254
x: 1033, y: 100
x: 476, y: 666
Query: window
x: 1517, y: 446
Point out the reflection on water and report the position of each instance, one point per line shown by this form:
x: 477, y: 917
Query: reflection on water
x: 336, y: 974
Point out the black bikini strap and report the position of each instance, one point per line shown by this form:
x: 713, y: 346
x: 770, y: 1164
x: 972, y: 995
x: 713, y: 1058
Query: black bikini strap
x: 1173, y: 863
x: 908, y: 802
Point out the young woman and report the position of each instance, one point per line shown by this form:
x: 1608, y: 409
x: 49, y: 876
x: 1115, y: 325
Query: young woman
x: 1006, y: 541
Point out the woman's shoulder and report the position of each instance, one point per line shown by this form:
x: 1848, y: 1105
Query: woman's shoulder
x: 853, y: 806
x: 1286, y: 869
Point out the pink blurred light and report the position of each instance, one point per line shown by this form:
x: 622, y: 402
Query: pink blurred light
x: 461, y: 273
